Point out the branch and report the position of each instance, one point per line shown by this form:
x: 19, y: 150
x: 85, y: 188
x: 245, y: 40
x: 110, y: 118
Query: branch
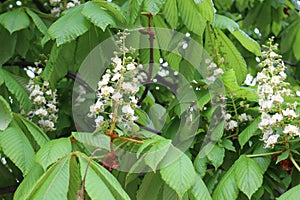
x: 148, y: 128
x: 290, y: 63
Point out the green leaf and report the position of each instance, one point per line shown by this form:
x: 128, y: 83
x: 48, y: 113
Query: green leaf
x: 200, y: 165
x: 5, y: 114
x: 14, y: 20
x: 93, y: 140
x: 248, y: 175
x: 296, y: 48
x: 150, y: 187
x: 134, y: 8
x: 97, y: 15
x: 26, y: 186
x: 206, y: 9
x: 7, y: 177
x: 216, y: 156
x: 16, y: 89
x: 283, y: 156
x: 9, y: 41
x: 232, y: 56
x: 179, y: 175
x: 191, y: 16
x: 205, y: 99
x: 15, y: 145
x: 227, y: 144
x: 107, y: 186
x: 75, y: 178
x: 171, y: 13
x: 54, y: 183
x: 37, y: 21
x: 153, y: 6
x: 53, y: 151
x: 113, y: 9
x: 156, y: 153
x: 262, y: 161
x: 248, y: 132
x: 69, y: 26
x: 291, y: 194
x: 199, y: 190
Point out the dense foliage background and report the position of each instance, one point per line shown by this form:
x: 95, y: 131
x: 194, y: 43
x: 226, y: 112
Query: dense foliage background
x: 56, y: 36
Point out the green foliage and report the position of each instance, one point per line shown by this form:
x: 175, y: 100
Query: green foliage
x: 14, y: 20
x: 5, y: 114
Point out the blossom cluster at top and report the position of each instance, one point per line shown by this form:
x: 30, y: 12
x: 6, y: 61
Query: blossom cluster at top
x: 44, y: 102
x: 277, y: 117
x: 58, y: 6
x: 116, y: 90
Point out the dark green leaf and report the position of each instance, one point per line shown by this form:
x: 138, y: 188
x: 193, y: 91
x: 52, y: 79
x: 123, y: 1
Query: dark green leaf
x: 283, y: 156
x: 5, y: 114
x: 150, y: 187
x: 9, y: 41
x: 199, y: 190
x: 37, y: 21
x: 248, y: 132
x: 134, y: 8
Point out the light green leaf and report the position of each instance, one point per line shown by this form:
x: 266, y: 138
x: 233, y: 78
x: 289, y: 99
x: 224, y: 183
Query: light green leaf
x: 191, y: 16
x: 248, y: 175
x: 156, y: 153
x: 283, y: 156
x: 16, y: 89
x: 296, y: 48
x: 216, y: 156
x: 9, y: 41
x: 107, y: 186
x: 114, y: 9
x: 206, y: 9
x: 150, y: 187
x: 14, y: 20
x: 199, y: 190
x: 75, y: 178
x: 291, y: 194
x: 248, y: 132
x: 17, y: 148
x: 200, y: 165
x: 134, y: 8
x: 27, y: 185
x: 5, y: 114
x: 69, y: 26
x: 37, y: 21
x: 54, y: 183
x: 262, y: 161
x: 97, y: 15
x: 153, y: 6
x: 232, y: 56
x: 52, y: 151
x: 179, y: 175
x: 227, y: 187
x: 93, y: 140
x: 227, y: 144
x: 205, y: 99
x: 171, y: 13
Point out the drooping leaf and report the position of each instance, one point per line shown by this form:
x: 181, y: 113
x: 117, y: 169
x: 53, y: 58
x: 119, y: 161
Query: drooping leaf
x: 37, y: 21
x: 54, y: 183
x: 14, y: 20
x: 248, y: 175
x: 53, y: 151
x: 291, y: 194
x: 16, y: 89
x: 153, y: 6
x: 69, y: 26
x: 5, y: 114
x: 93, y: 140
x: 17, y: 148
x: 26, y: 186
x: 216, y: 156
x: 150, y: 187
x: 199, y: 190
x: 9, y: 41
x: 97, y: 15
x: 179, y: 175
x: 107, y: 186
x: 171, y: 13
x: 248, y: 132
x: 191, y: 16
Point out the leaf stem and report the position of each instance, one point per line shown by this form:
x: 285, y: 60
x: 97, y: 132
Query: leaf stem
x: 264, y: 154
x: 294, y: 162
x: 114, y: 136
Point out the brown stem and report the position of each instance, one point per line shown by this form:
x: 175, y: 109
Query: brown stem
x: 114, y: 136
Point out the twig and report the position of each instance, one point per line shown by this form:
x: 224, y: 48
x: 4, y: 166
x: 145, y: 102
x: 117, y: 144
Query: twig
x: 114, y: 136
x: 264, y: 154
x: 294, y: 162
x: 148, y: 128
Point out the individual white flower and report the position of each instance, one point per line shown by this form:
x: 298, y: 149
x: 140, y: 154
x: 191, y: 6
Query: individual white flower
x: 276, y: 79
x: 291, y: 130
x: 272, y: 140
x: 133, y: 100
x: 99, y: 120
x: 289, y: 113
x: 218, y: 71
x: 243, y: 117
x: 212, y: 65
x: 116, y: 77
x: 248, y: 80
x: 117, y: 96
x: 277, y: 117
x: 227, y: 116
x: 231, y: 125
x: 70, y: 5
x: 107, y: 90
x: 163, y: 72
x: 261, y: 76
x: 39, y: 100
x: 298, y: 93
x: 130, y: 66
x: 41, y: 112
x: 127, y: 110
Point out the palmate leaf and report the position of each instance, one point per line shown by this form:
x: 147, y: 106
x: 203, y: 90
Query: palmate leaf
x: 291, y: 194
x: 16, y: 89
x: 179, y: 175
x: 14, y: 20
x: 54, y: 183
x: 248, y: 175
x: 248, y: 132
x: 97, y: 15
x: 52, y: 151
x: 171, y: 13
x: 191, y: 17
x: 17, y: 148
x: 69, y: 26
x: 5, y: 114
x: 106, y: 187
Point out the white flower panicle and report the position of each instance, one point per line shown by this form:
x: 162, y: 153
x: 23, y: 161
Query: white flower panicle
x: 44, y: 102
x: 117, y: 88
x: 58, y: 6
x: 277, y: 118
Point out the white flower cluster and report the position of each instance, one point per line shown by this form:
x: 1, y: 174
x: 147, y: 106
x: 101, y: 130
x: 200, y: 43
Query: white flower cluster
x: 213, y: 70
x: 277, y: 118
x: 44, y: 101
x: 58, y: 6
x: 116, y: 90
x: 232, y: 122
